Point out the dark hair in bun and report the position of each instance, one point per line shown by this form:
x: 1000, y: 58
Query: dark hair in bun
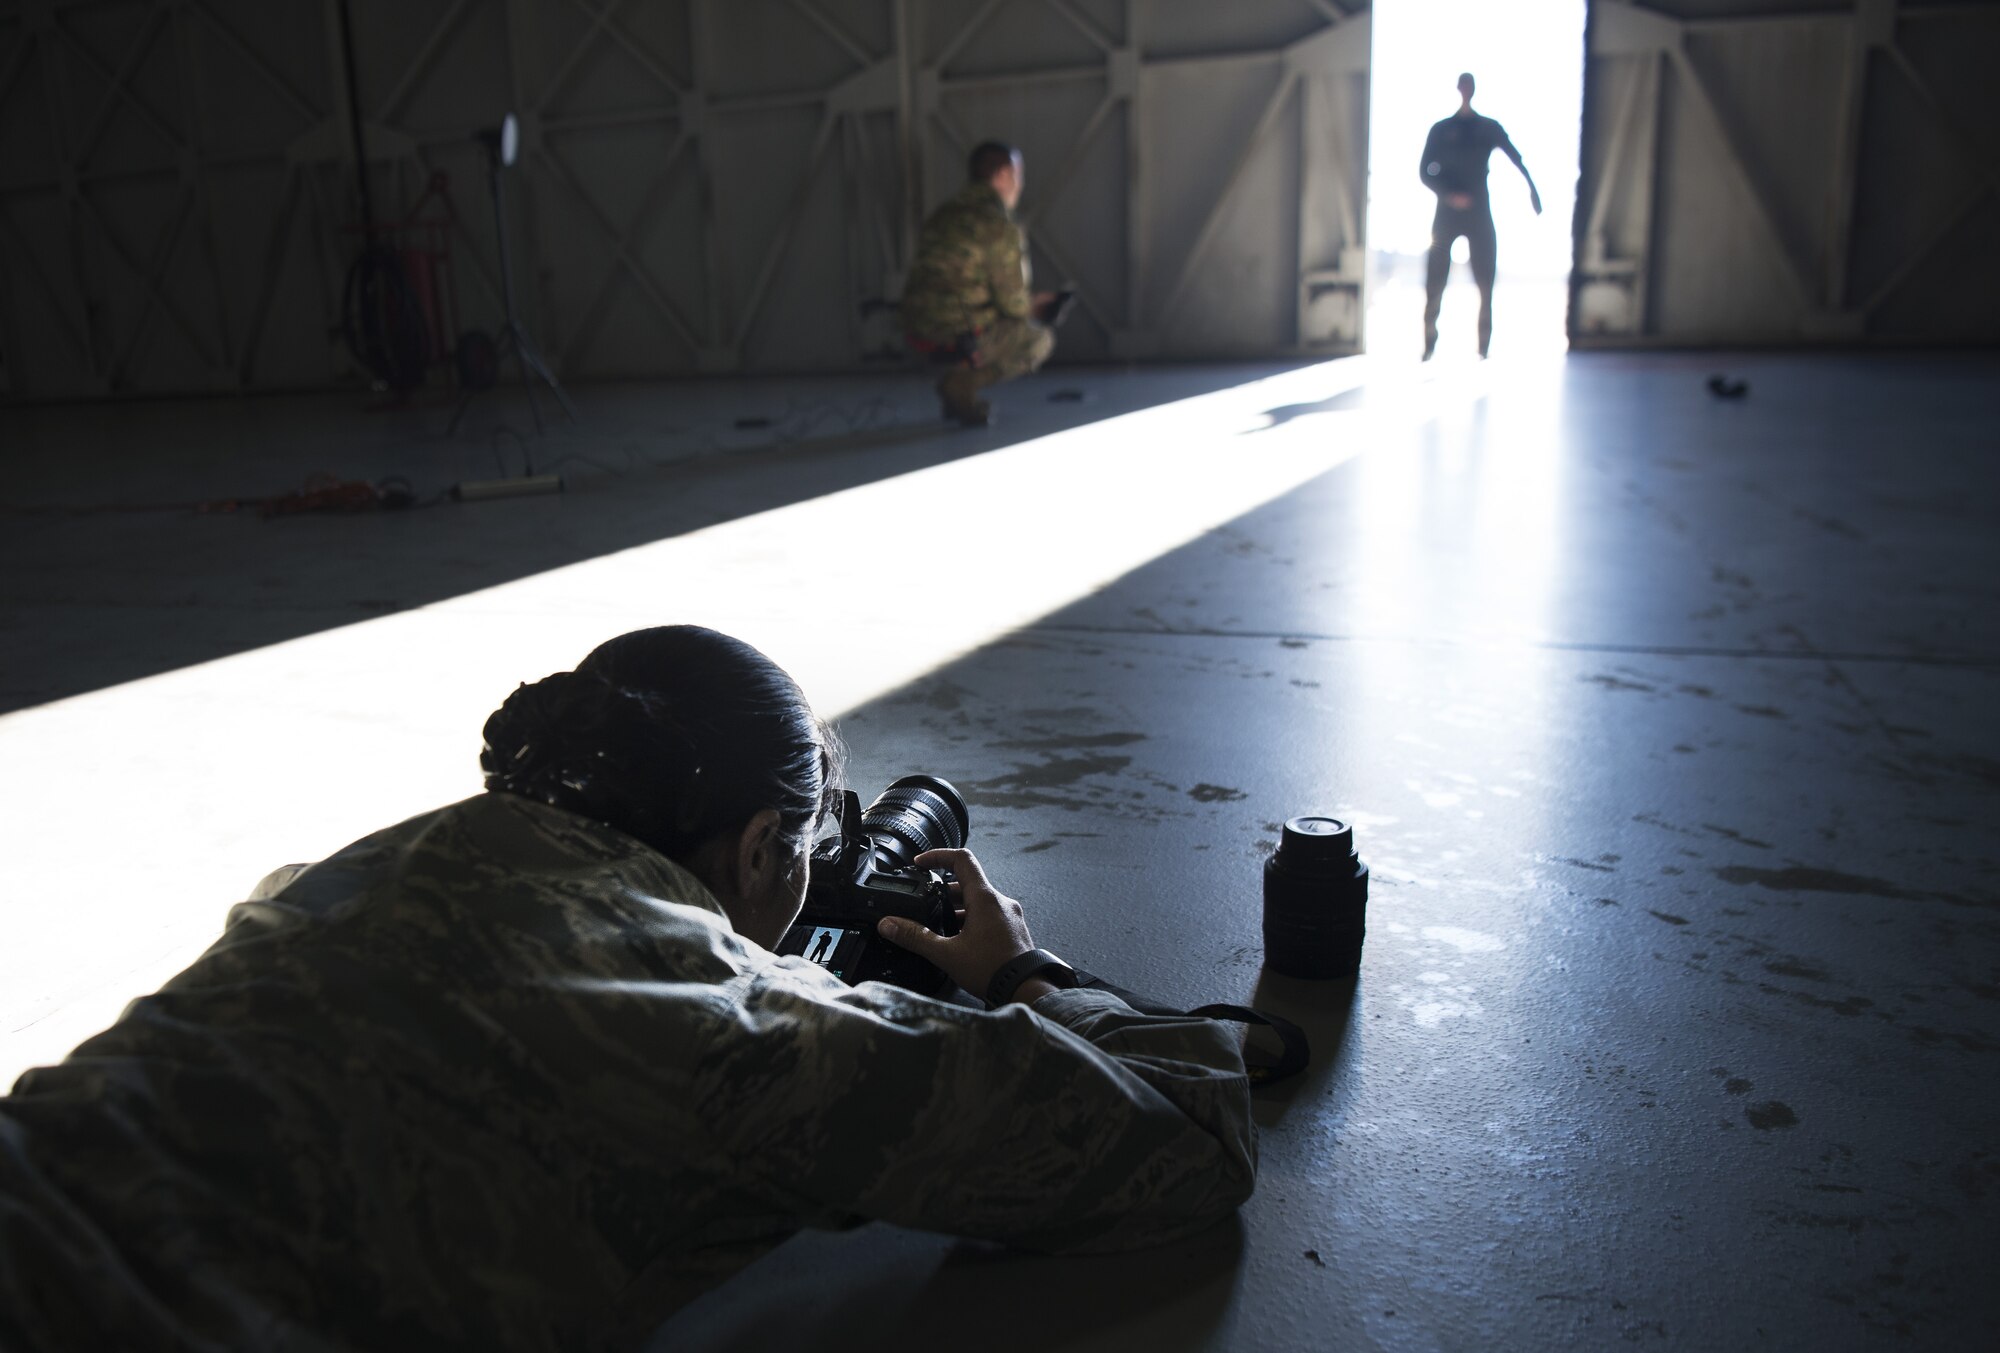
x: 672, y: 735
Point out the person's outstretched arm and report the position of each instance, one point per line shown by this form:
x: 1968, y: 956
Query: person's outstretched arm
x: 1507, y: 149
x: 1077, y: 1124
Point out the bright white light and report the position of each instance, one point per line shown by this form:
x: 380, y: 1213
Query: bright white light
x: 1527, y: 56
x: 136, y: 814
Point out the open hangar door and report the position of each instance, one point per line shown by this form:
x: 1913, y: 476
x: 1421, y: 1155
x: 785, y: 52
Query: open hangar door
x: 1787, y: 172
x: 704, y: 185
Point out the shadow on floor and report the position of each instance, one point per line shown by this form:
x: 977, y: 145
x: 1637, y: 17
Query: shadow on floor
x: 1285, y: 413
x: 883, y: 1287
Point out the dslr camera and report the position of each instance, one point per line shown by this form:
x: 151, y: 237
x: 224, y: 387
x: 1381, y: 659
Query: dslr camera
x: 867, y: 872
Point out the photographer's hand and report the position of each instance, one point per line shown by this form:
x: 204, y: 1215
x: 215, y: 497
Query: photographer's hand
x: 994, y: 929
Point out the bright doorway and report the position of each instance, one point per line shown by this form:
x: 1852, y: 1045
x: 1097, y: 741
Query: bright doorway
x: 1527, y: 56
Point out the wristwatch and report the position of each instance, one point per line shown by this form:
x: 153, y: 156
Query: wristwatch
x: 1035, y: 963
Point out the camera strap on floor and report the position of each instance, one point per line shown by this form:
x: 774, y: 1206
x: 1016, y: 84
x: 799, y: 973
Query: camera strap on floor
x: 1294, y: 1054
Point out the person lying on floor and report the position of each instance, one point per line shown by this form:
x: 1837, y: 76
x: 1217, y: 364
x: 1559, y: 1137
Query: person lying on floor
x: 525, y: 1072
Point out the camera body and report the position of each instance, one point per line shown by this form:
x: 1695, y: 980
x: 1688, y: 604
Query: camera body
x: 867, y: 873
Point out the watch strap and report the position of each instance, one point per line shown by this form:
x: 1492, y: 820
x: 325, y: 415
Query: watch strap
x: 1035, y: 963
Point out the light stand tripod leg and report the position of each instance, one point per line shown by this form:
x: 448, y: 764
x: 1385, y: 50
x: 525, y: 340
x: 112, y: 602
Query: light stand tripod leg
x: 512, y: 334
x: 521, y: 355
x: 531, y: 361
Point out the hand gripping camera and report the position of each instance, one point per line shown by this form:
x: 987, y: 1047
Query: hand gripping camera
x: 865, y: 874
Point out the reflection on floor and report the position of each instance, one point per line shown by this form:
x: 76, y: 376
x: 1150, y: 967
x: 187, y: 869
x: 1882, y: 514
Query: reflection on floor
x: 1529, y: 316
x: 1666, y: 723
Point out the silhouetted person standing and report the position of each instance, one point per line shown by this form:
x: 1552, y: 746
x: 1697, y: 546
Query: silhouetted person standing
x: 1454, y: 167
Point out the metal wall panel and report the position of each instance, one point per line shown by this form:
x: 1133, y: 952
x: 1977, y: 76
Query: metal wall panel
x: 1787, y: 171
x: 153, y: 218
x: 706, y: 185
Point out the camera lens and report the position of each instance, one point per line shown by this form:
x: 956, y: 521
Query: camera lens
x: 1315, y: 900
x: 916, y: 814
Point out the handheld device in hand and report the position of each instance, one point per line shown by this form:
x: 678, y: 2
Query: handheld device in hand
x: 1057, y: 309
x: 866, y: 873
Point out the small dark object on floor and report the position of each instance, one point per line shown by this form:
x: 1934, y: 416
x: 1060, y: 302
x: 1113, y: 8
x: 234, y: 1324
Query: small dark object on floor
x: 1722, y: 387
x: 753, y: 423
x: 1314, y: 1256
x: 1067, y: 396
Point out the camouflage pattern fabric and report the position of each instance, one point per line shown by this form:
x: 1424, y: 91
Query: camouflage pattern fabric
x: 971, y: 269
x: 1010, y: 348
x: 502, y: 1078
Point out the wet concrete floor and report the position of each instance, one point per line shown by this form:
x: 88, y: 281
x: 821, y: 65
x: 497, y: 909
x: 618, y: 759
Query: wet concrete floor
x: 1667, y: 725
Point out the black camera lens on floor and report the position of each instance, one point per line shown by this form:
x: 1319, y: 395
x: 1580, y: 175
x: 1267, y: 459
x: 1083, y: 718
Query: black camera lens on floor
x: 1315, y: 900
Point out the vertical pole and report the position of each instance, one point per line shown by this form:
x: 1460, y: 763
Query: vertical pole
x: 1654, y: 73
x: 908, y: 143
x: 1135, y: 181
x: 1307, y: 85
x: 515, y: 337
x: 500, y: 233
x: 522, y: 60
x: 350, y: 84
x: 1355, y: 162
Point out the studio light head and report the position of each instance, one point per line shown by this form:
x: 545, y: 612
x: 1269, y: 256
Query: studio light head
x: 504, y: 141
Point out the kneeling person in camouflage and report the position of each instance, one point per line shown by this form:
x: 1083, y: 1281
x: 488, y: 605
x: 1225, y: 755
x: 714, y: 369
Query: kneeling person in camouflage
x: 968, y: 288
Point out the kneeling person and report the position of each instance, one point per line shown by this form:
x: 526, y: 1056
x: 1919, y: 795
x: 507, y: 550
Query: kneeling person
x: 968, y: 288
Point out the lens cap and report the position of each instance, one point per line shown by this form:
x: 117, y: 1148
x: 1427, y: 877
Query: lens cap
x: 1315, y: 840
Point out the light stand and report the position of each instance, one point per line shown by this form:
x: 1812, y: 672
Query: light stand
x: 502, y: 146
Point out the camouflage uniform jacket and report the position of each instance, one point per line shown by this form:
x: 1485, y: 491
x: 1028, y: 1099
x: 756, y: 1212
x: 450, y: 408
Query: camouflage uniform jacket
x: 502, y: 1078
x: 971, y: 268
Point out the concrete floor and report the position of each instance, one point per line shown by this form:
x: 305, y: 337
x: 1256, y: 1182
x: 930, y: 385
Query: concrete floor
x: 1668, y: 726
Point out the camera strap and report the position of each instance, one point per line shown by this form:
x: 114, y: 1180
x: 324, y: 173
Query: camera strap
x: 1294, y: 1054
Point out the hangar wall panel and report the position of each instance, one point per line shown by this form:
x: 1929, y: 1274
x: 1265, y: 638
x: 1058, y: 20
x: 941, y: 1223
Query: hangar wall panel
x: 705, y: 185
x: 1787, y: 171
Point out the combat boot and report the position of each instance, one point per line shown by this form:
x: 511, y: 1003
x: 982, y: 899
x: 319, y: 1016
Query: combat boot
x: 959, y: 393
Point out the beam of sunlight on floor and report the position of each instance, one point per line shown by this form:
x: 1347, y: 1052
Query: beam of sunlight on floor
x: 138, y: 813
